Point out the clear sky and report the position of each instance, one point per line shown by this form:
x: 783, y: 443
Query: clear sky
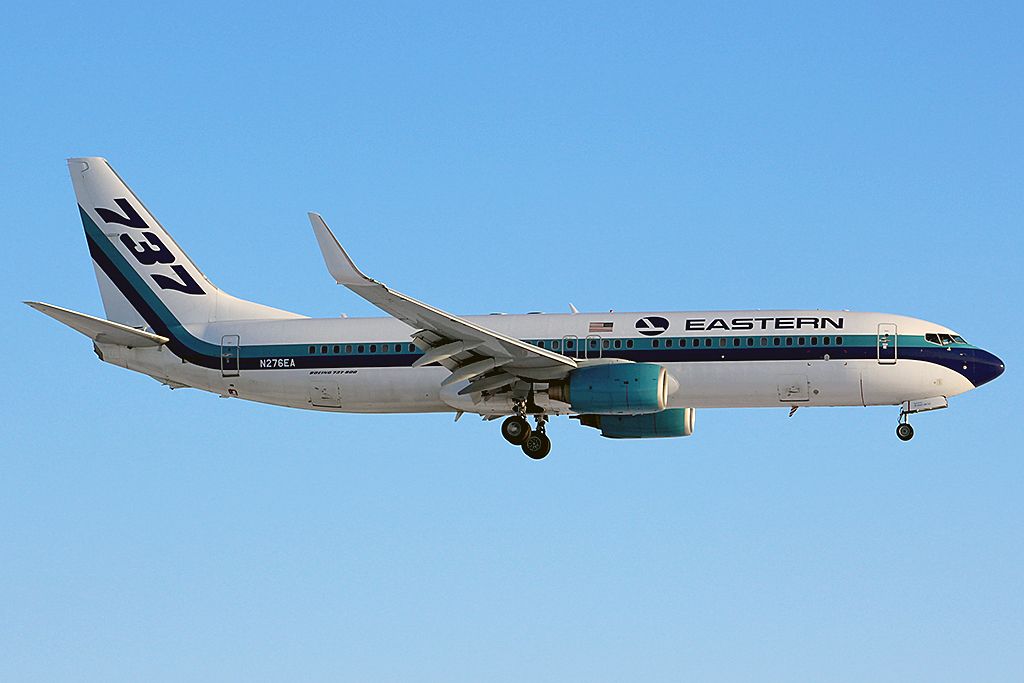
x: 712, y: 155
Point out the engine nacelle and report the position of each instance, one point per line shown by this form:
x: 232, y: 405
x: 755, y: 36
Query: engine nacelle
x: 667, y: 423
x: 614, y: 389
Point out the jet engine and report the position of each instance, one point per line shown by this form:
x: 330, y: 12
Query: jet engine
x: 671, y: 422
x: 614, y: 389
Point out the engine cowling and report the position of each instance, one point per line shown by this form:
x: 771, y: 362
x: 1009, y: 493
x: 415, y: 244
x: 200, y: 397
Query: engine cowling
x: 614, y: 389
x: 667, y: 423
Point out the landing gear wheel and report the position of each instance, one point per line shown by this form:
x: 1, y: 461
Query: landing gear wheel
x: 904, y: 431
x: 516, y: 430
x: 537, y: 446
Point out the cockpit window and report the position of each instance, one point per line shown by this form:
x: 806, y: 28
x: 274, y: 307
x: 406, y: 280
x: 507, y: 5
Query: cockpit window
x: 944, y: 339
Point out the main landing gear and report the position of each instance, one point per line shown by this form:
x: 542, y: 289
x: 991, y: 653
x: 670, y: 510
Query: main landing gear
x: 534, y: 442
x: 515, y: 429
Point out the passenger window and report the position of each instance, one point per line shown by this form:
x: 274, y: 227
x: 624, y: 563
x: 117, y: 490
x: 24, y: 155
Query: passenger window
x: 593, y: 343
x: 606, y: 344
x: 839, y: 341
x: 764, y: 341
x: 682, y: 343
x: 722, y: 341
x: 348, y: 348
x: 312, y: 349
x: 707, y: 342
x: 776, y: 341
x: 554, y: 344
x: 735, y: 341
x: 789, y: 341
x: 629, y: 343
x: 668, y: 343
x: 814, y: 341
x: 618, y: 343
x: 655, y: 344
x: 750, y: 341
x: 826, y: 340
x: 360, y: 348
x: 337, y: 349
x: 800, y: 341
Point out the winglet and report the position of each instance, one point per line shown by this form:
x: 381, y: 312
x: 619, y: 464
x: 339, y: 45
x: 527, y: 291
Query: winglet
x: 338, y: 262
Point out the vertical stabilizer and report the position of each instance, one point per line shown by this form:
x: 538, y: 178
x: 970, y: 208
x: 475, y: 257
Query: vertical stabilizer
x: 145, y: 278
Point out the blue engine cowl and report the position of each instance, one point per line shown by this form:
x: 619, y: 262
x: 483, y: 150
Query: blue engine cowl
x: 614, y: 389
x: 671, y: 422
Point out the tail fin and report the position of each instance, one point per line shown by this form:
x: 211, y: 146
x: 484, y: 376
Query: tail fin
x: 145, y: 278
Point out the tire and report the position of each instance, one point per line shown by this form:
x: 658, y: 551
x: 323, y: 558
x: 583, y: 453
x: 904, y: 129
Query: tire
x: 537, y: 446
x: 515, y: 430
x: 904, y: 431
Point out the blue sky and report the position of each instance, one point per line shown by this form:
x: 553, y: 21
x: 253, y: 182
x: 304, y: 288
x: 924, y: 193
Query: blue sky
x: 512, y: 159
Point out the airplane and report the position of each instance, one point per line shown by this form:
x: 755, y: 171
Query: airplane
x: 627, y: 375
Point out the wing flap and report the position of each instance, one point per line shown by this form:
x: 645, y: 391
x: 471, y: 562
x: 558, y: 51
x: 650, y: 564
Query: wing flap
x: 487, y: 383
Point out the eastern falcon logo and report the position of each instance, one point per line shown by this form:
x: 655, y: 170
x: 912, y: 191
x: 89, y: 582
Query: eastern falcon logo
x: 651, y: 326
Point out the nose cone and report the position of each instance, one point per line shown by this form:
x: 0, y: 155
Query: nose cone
x: 986, y: 367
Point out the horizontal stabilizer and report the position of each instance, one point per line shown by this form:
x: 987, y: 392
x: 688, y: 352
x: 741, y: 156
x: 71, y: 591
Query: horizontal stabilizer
x: 98, y: 329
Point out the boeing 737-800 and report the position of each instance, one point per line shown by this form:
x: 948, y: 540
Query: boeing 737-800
x: 628, y: 375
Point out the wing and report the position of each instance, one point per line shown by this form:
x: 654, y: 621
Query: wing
x: 488, y: 359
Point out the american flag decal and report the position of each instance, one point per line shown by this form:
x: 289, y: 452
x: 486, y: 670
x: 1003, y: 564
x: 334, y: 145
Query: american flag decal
x: 600, y: 327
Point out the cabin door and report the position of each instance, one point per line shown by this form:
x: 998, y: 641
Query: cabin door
x: 887, y: 343
x: 229, y: 355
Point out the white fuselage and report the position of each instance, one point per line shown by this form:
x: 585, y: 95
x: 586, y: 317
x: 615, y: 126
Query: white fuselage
x: 715, y: 359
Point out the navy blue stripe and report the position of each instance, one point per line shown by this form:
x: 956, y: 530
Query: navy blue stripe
x: 148, y: 314
x: 959, y: 360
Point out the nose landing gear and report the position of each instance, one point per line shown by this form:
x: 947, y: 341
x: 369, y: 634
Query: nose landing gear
x: 921, y: 405
x: 904, y: 431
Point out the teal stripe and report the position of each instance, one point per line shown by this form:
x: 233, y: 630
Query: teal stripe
x: 302, y: 349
